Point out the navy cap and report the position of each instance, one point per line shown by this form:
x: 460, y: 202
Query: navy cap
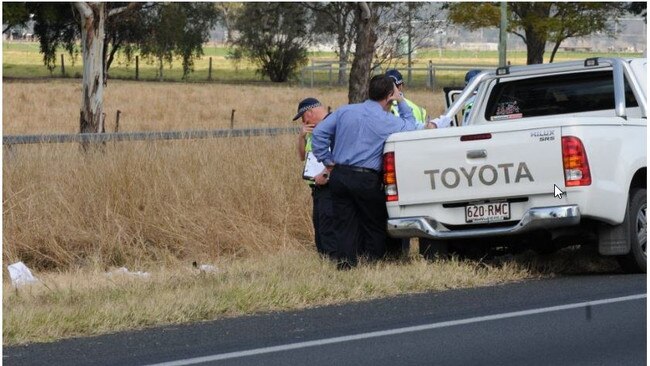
x: 471, y: 74
x: 396, y: 76
x: 305, y: 105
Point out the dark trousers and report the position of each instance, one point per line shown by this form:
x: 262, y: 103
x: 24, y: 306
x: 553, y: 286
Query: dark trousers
x: 361, y: 214
x: 323, y: 218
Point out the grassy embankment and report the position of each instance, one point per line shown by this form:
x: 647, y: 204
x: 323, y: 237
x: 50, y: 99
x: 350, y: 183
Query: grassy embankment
x: 235, y: 203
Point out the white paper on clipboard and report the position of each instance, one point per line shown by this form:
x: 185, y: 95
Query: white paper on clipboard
x: 312, y: 167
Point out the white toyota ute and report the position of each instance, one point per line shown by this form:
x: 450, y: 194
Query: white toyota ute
x: 550, y: 155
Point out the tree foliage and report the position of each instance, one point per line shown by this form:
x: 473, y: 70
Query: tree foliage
x: 14, y: 14
x: 227, y: 14
x: 639, y: 8
x: 275, y: 37
x: 537, y: 23
x: 167, y: 29
x: 55, y: 26
x: 337, y: 19
x: 177, y: 29
x: 404, y: 27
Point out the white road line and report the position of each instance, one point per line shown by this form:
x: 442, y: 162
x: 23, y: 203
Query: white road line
x: 389, y: 332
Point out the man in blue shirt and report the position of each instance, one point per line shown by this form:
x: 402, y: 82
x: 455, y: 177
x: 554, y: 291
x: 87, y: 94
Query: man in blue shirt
x: 355, y: 163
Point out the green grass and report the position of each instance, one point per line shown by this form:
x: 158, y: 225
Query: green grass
x: 23, y: 60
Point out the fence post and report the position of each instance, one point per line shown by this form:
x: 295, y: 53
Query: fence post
x: 430, y: 81
x: 117, y: 120
x: 232, y: 119
x: 210, y: 70
x: 433, y: 77
x: 62, y: 66
x: 137, y: 68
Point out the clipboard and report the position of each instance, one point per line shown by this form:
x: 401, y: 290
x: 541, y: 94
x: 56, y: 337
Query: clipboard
x: 312, y: 167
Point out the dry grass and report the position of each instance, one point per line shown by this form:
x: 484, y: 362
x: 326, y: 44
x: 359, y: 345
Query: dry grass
x: 137, y: 203
x: 157, y: 201
x: 66, y: 305
x: 53, y: 106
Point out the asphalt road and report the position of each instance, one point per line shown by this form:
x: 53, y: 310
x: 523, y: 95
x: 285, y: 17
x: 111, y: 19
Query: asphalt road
x: 578, y: 320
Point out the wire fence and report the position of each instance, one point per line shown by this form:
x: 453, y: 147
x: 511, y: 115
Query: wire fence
x: 145, y: 136
x: 433, y: 77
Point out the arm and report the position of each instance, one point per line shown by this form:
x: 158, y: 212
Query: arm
x: 302, y: 140
x: 322, y: 138
x: 406, y: 117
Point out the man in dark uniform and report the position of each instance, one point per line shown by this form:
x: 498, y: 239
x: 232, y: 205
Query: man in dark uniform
x: 311, y: 111
x: 355, y: 162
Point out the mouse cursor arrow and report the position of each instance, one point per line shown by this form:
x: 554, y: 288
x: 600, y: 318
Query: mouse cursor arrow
x: 557, y: 192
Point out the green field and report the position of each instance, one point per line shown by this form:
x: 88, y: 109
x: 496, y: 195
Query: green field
x: 23, y: 60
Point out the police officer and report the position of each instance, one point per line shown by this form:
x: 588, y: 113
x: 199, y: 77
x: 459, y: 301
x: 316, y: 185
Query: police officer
x: 467, y: 108
x: 355, y: 162
x: 311, y: 111
x: 419, y: 113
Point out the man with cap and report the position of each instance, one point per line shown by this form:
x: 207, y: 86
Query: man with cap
x: 354, y: 164
x: 419, y: 113
x: 311, y: 111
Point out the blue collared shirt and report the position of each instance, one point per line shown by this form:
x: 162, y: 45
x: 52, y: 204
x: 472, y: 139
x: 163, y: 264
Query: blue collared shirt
x: 360, y: 131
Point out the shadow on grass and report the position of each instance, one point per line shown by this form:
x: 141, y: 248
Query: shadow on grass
x: 571, y: 261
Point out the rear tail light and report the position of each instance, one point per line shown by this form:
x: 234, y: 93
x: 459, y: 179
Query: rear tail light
x: 576, y: 165
x: 390, y: 178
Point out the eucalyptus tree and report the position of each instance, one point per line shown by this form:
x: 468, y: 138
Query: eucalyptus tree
x: 538, y: 23
x: 337, y: 19
x: 102, y: 29
x: 275, y: 37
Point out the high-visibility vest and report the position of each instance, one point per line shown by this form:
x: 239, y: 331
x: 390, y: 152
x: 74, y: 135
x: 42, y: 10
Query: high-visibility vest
x: 467, y: 108
x: 307, y: 150
x: 419, y: 113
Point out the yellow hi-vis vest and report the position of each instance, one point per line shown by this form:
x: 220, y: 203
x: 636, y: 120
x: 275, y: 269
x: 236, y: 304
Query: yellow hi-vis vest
x: 419, y: 113
x: 307, y: 150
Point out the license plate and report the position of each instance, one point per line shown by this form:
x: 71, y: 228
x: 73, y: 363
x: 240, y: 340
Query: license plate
x: 487, y: 212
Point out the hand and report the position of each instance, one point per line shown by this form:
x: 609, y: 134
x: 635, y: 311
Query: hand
x: 306, y: 128
x: 322, y: 178
x: 397, y: 95
x: 440, y: 122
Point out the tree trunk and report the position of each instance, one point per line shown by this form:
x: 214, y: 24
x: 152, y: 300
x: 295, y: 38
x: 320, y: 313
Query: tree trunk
x: 535, y: 43
x: 93, y: 17
x: 365, y: 47
x: 557, y: 45
x: 343, y: 58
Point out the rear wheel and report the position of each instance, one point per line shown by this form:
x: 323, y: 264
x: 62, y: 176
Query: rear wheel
x: 636, y: 259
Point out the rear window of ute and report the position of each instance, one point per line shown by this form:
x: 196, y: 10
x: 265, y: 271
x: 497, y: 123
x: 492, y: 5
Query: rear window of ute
x: 550, y: 95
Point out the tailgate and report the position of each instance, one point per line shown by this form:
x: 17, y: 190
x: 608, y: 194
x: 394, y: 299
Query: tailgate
x: 479, y: 164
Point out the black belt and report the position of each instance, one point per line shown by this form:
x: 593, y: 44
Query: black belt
x: 356, y: 169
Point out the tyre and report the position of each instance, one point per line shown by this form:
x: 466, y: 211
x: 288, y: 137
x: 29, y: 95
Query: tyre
x: 635, y: 260
x: 432, y: 249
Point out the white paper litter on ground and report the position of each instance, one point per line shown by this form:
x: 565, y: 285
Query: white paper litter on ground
x: 125, y: 271
x: 20, y: 274
x: 208, y: 268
